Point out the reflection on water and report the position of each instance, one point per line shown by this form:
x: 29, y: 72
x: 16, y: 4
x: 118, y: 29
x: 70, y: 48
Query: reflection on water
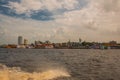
x: 52, y: 64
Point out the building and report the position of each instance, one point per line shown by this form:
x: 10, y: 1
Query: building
x: 44, y: 46
x: 38, y: 42
x: 113, y: 43
x: 20, y: 40
x: 25, y: 41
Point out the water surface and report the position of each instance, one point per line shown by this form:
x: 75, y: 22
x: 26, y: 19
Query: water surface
x: 59, y: 64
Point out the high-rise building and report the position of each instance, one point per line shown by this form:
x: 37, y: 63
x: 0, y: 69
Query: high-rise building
x: 25, y: 41
x: 20, y: 40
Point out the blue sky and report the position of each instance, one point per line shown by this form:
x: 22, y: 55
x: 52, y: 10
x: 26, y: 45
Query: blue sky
x: 59, y: 20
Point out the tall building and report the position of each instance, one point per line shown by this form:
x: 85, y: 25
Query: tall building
x: 20, y: 40
x: 25, y: 41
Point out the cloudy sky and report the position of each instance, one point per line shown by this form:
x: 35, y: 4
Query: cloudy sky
x: 59, y: 20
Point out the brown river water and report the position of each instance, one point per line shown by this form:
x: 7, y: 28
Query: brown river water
x: 59, y: 64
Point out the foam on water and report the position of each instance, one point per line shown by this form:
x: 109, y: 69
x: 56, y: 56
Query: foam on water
x: 14, y: 73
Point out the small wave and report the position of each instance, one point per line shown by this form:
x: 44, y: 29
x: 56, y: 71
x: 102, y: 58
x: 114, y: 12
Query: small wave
x: 16, y: 73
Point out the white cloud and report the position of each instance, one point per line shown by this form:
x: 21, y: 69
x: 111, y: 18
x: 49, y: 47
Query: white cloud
x: 94, y: 22
x: 25, y: 6
x: 30, y: 29
x: 28, y: 6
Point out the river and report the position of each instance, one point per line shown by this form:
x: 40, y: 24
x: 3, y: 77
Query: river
x: 59, y: 64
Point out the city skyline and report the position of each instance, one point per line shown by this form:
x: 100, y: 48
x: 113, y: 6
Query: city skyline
x: 80, y: 44
x: 59, y: 21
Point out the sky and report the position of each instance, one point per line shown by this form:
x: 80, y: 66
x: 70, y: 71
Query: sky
x: 59, y: 20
